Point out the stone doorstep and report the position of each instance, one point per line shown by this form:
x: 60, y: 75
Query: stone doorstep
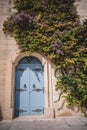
x: 28, y: 118
x: 32, y: 118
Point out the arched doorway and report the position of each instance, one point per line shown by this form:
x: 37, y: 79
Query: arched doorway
x: 29, y: 87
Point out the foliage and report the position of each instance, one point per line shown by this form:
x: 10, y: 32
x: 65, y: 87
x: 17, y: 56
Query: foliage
x: 52, y: 27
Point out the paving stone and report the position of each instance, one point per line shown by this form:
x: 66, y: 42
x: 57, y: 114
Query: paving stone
x: 73, y: 121
x: 39, y: 125
x: 79, y: 128
x: 84, y: 120
x: 5, y: 125
x: 68, y: 123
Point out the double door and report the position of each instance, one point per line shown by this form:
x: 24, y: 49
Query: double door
x: 29, y: 90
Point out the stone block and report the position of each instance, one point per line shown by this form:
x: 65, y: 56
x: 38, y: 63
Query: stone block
x: 49, y: 113
x: 7, y: 113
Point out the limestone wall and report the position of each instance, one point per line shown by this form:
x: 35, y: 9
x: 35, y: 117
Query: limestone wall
x: 82, y: 9
x: 7, y: 48
x: 4, y: 7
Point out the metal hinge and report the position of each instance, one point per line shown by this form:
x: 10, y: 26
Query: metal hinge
x: 21, y: 90
x: 21, y: 111
x: 38, y: 110
x: 38, y: 90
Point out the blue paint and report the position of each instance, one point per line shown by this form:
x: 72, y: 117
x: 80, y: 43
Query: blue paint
x: 29, y: 90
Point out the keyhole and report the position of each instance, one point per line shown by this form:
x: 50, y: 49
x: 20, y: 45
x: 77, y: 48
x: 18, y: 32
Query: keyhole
x: 34, y: 86
x: 25, y: 86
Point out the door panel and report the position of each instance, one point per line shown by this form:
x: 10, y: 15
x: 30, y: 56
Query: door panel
x: 37, y: 90
x: 22, y: 90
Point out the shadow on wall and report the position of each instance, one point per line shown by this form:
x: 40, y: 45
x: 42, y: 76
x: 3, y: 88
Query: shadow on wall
x: 0, y: 113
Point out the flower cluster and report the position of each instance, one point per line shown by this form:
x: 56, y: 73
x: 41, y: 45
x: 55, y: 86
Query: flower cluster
x: 57, y: 48
x: 22, y: 17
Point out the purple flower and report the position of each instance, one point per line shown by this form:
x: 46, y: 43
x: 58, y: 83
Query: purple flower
x: 55, y: 44
x: 54, y: 35
x: 59, y: 52
x: 22, y: 17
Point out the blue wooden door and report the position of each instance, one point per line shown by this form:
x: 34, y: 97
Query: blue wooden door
x: 29, y: 93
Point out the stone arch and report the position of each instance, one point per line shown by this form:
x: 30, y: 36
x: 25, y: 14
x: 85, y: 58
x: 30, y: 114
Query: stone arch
x: 48, y: 93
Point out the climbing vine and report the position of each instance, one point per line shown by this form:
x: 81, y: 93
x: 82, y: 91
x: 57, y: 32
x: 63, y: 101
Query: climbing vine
x: 53, y: 28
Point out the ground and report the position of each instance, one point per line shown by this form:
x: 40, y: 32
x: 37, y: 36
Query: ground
x: 63, y: 123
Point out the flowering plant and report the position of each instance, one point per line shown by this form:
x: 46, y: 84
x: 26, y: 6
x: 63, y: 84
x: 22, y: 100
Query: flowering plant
x: 53, y: 28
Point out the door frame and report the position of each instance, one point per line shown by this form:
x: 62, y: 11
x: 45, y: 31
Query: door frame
x: 48, y: 83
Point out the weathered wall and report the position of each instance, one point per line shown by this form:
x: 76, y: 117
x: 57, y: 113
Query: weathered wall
x: 7, y: 47
x: 82, y: 9
x: 4, y: 10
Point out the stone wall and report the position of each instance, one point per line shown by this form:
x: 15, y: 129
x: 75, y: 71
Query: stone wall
x: 4, y: 9
x: 7, y: 47
x: 82, y: 9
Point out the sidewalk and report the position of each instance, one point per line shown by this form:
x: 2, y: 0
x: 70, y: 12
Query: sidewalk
x: 62, y: 123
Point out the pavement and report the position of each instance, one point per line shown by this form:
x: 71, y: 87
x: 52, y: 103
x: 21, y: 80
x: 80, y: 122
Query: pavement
x: 60, y: 123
